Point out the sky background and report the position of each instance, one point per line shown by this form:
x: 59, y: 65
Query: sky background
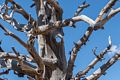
x: 98, y: 39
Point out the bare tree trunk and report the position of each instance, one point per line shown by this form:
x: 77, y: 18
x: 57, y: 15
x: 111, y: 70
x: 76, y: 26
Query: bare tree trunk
x: 50, y: 48
x: 54, y: 50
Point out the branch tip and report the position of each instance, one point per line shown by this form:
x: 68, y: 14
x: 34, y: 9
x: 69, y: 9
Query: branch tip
x: 109, y: 40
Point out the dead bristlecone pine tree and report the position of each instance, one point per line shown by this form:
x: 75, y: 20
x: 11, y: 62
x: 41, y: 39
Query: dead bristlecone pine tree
x: 44, y: 29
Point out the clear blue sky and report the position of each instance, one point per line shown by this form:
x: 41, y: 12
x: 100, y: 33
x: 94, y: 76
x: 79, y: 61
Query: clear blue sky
x: 98, y: 39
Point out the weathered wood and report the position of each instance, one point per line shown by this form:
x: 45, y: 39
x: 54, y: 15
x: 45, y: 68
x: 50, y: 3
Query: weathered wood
x: 50, y: 61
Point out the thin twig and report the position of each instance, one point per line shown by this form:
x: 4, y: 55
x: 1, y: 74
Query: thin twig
x: 17, y: 53
x: 22, y: 11
x: 14, y: 36
x: 81, y: 8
